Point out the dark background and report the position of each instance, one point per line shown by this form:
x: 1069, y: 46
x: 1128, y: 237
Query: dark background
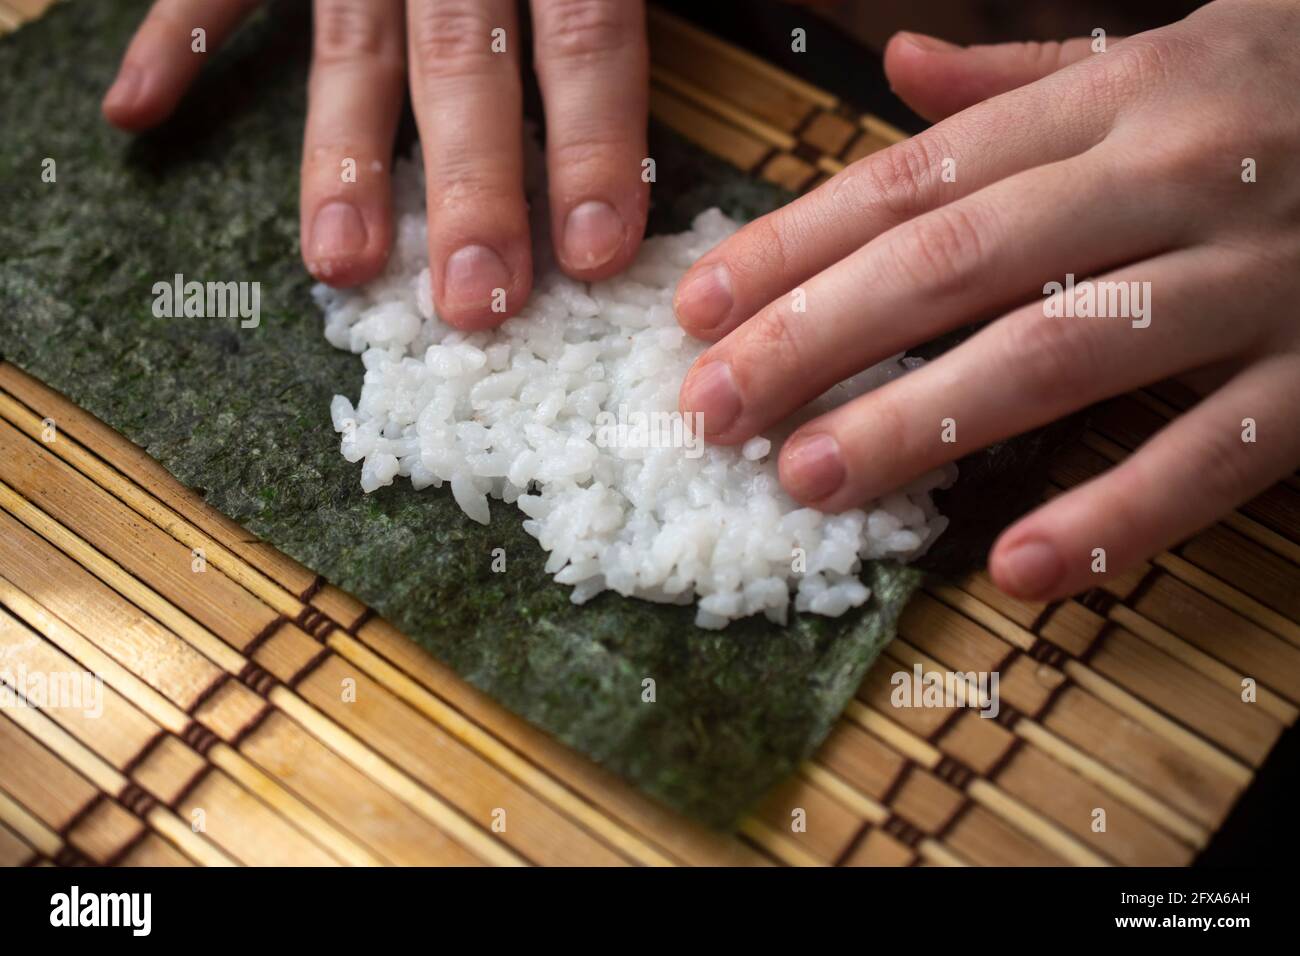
x: 844, y: 44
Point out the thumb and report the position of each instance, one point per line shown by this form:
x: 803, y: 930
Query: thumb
x: 937, y: 78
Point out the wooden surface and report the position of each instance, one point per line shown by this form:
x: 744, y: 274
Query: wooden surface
x: 253, y: 713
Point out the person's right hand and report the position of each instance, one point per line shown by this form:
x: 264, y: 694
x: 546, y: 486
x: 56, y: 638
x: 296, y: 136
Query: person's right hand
x: 593, y: 68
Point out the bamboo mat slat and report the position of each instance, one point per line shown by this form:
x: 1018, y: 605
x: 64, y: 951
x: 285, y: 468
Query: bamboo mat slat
x: 254, y: 713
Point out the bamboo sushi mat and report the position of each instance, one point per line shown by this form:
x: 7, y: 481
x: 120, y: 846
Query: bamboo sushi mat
x: 225, y: 739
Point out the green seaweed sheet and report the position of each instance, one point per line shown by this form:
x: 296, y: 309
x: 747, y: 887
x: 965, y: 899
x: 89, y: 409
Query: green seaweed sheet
x: 242, y: 414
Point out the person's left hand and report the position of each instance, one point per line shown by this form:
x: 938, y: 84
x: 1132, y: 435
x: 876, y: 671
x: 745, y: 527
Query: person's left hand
x: 1133, y: 165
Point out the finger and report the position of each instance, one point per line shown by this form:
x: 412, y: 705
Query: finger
x: 593, y: 69
x: 937, y: 78
x: 354, y: 99
x: 973, y: 258
x: 955, y: 158
x: 1196, y: 469
x: 468, y: 105
x: 165, y: 56
x: 1021, y: 371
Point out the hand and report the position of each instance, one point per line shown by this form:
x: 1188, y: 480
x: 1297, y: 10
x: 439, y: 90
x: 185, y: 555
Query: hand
x: 1127, y: 165
x: 593, y: 70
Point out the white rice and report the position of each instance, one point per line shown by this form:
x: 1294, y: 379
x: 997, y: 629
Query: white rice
x: 524, y: 414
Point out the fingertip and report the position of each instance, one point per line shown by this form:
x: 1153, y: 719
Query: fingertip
x: 480, y: 288
x: 345, y: 246
x: 812, y: 469
x: 704, y: 300
x: 129, y: 104
x: 597, y: 239
x: 1027, y: 566
x: 922, y: 77
x: 345, y: 273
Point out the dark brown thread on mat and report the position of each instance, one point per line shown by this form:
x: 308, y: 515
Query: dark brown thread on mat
x: 91, y: 805
x: 853, y: 845
x: 955, y: 772
x: 1052, y: 697
x: 965, y: 807
x: 264, y: 635
x: 1007, y: 716
x: 807, y: 152
x: 1095, y: 645
x: 125, y: 849
x: 1000, y: 764
x: 200, y: 739
x: 1148, y: 581
x: 1045, y: 652
x: 1094, y: 642
x: 305, y: 671
x: 366, y: 617
x: 134, y: 763
x: 944, y: 725
x: 329, y: 628
x: 69, y: 856
x: 814, y: 113
x: 897, y: 783
x: 763, y: 160
x: 137, y: 800
x: 315, y: 622
x: 195, y: 779
x: 251, y: 727
x: 1098, y: 600
x: 843, y: 151
x: 257, y: 679
x: 1044, y: 616
x: 135, y: 484
x: 312, y: 589
x: 208, y: 691
x: 905, y: 832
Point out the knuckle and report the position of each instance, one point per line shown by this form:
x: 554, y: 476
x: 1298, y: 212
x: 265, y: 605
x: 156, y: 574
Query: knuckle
x: 589, y: 152
x: 583, y: 29
x: 942, y: 252
x: 772, y: 340
x: 349, y: 30
x: 451, y: 38
x: 1224, y: 472
x: 898, y: 178
x: 461, y: 186
x: 1140, y: 63
x: 768, y: 242
x: 1052, y: 359
x: 1043, y: 56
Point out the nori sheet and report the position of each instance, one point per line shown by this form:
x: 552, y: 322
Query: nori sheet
x: 241, y: 415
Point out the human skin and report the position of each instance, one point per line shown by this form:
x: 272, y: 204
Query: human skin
x: 592, y: 67
x: 1123, y: 165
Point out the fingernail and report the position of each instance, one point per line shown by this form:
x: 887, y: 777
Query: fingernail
x: 928, y: 43
x: 338, y: 231
x: 813, y: 468
x: 704, y: 301
x: 711, y: 392
x: 1031, y: 569
x: 472, y: 276
x: 593, y: 234
x: 122, y: 94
